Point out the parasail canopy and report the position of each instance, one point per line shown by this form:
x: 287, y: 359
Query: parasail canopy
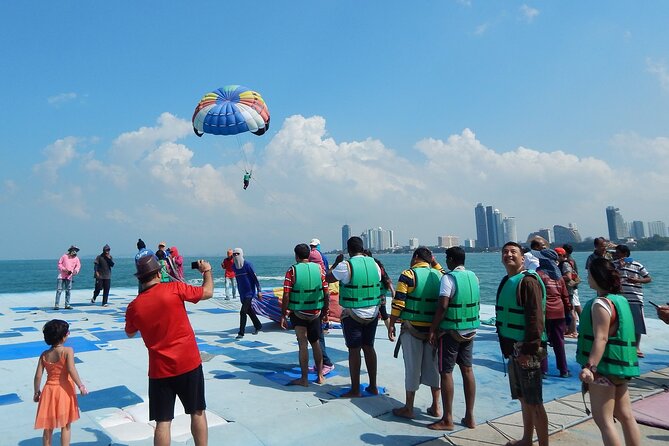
x: 231, y: 110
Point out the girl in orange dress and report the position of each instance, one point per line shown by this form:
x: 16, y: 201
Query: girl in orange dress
x: 58, y: 406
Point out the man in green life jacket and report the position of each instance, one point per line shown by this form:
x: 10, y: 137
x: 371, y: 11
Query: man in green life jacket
x: 305, y: 296
x: 452, y: 331
x: 359, y: 296
x: 415, y: 302
x: 521, y: 300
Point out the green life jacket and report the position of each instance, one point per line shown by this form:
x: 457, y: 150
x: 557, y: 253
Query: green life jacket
x: 363, y: 290
x: 164, y: 275
x: 619, y: 358
x: 307, y: 291
x: 421, y: 303
x: 463, y: 309
x: 383, y: 290
x: 510, y: 317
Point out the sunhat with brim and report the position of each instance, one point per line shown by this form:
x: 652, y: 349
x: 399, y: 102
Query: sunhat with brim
x: 73, y: 248
x: 147, y: 266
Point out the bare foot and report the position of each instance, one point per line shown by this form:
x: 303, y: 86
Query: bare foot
x: 321, y: 379
x: 441, y: 425
x: 403, y: 412
x: 468, y: 422
x: 351, y: 394
x: 520, y: 442
x: 373, y: 390
x: 431, y: 411
x: 299, y: 382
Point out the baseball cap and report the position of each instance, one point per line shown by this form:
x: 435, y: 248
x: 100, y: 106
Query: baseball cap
x: 561, y: 251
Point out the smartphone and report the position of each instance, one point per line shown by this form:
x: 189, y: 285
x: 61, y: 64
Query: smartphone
x: 195, y: 265
x: 654, y: 304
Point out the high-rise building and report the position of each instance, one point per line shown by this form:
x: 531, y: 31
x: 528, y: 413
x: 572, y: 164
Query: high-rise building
x: 544, y: 233
x: 568, y: 234
x: 447, y: 241
x: 345, y: 235
x: 637, y: 230
x: 616, y: 224
x: 481, y: 226
x: 509, y: 231
x: 491, y: 221
x: 657, y: 228
x: 413, y: 243
x: 470, y: 243
x: 377, y: 239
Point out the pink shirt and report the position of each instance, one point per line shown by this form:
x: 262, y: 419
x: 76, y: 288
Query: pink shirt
x: 67, y: 263
x: 316, y: 257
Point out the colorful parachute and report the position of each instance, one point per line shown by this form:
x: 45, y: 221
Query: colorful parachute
x: 231, y: 110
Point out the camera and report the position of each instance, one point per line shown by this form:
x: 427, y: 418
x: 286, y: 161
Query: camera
x: 195, y: 265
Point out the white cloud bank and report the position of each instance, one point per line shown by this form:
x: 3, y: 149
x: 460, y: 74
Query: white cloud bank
x: 307, y: 184
x: 660, y: 71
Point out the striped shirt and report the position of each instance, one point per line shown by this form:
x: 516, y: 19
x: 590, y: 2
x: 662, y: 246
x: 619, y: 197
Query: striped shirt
x: 633, y: 292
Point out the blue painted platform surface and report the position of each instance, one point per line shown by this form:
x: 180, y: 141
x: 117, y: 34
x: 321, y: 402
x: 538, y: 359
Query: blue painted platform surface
x: 244, y: 378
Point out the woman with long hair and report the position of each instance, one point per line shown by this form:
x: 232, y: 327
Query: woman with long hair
x: 607, y: 352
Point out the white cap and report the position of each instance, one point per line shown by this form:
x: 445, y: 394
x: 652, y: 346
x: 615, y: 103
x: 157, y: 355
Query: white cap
x: 314, y: 242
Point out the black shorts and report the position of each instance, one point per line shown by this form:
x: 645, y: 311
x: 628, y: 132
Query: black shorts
x: 357, y: 334
x: 525, y: 383
x: 189, y: 387
x: 452, y: 352
x: 313, y: 326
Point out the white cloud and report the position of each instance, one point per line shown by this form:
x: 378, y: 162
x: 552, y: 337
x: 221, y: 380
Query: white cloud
x: 58, y: 155
x: 118, y: 175
x: 67, y: 201
x: 133, y: 145
x: 118, y: 216
x: 61, y: 98
x: 170, y: 164
x: 481, y: 29
x: 660, y: 71
x: 306, y: 183
x: 528, y: 13
x: 9, y: 188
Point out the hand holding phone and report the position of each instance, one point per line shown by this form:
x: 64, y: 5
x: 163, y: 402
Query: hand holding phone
x: 653, y: 304
x: 195, y: 264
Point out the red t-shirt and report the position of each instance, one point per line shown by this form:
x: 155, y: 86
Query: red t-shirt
x: 228, y: 265
x: 159, y: 314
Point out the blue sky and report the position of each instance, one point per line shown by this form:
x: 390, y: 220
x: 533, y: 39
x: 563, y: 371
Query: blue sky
x: 395, y: 114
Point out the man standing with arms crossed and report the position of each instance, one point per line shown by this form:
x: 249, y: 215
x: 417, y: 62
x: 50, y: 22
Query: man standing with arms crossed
x: 457, y: 314
x: 175, y: 367
x: 305, y: 295
x: 521, y: 302
x: 359, y: 297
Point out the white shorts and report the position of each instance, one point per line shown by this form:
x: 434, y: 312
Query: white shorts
x: 420, y: 363
x: 576, y: 302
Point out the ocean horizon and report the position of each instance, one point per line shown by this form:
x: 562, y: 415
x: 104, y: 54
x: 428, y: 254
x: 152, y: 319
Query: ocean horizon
x: 26, y: 276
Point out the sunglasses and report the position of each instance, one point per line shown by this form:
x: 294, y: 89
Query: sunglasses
x: 235, y: 253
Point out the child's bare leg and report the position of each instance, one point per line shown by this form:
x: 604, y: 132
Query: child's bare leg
x: 47, y: 437
x: 65, y: 434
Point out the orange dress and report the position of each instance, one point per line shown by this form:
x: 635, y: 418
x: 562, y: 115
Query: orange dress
x: 58, y: 402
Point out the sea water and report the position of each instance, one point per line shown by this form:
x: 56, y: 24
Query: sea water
x: 25, y: 276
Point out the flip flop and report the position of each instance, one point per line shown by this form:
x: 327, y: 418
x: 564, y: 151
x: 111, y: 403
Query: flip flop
x: 640, y: 355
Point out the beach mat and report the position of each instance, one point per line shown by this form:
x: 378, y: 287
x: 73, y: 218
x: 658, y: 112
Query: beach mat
x: 284, y: 377
x: 652, y: 411
x: 9, y: 398
x: 118, y: 396
x: 339, y: 392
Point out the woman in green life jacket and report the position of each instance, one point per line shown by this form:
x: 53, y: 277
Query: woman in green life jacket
x: 607, y: 352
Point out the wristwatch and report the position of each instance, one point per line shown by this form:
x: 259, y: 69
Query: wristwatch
x: 592, y: 368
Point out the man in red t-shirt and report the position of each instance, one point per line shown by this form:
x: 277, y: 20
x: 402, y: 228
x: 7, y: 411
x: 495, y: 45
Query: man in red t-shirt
x: 175, y: 367
x: 228, y: 264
